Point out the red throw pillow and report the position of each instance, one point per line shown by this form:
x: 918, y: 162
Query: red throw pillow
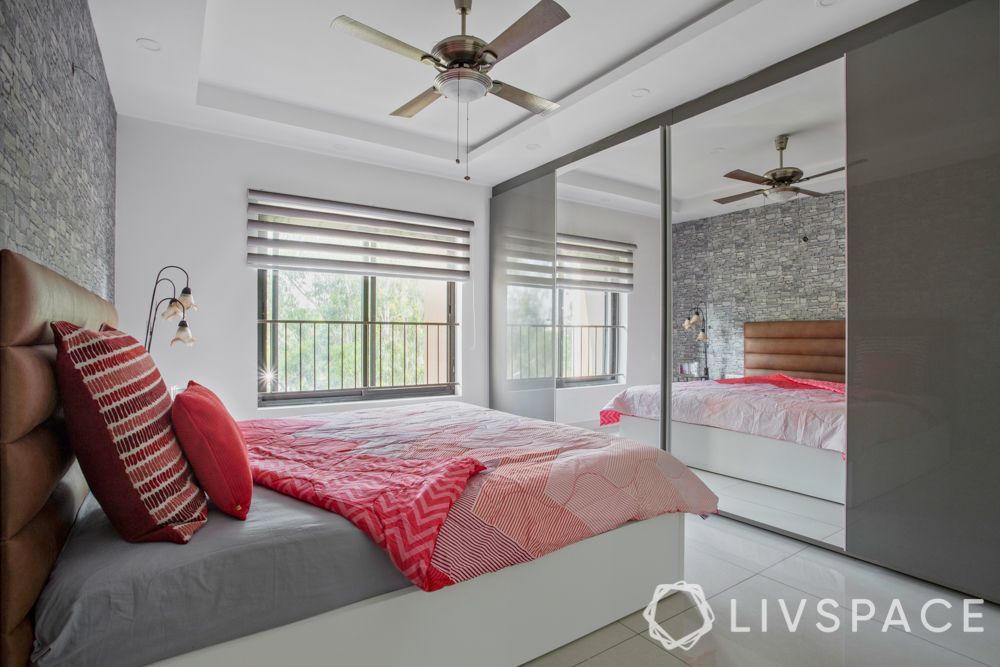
x: 215, y: 447
x: 118, y: 413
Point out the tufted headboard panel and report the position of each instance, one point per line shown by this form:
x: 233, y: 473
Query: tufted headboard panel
x: 799, y: 348
x: 41, y: 486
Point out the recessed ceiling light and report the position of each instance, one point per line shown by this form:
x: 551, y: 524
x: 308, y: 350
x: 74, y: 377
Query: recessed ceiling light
x: 533, y: 147
x: 718, y: 149
x: 825, y: 3
x: 148, y: 44
x: 640, y: 92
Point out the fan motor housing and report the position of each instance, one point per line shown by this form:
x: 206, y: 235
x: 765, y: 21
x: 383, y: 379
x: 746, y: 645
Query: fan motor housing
x: 458, y: 50
x: 784, y: 174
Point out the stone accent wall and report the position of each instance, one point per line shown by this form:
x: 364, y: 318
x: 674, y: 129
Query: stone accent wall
x: 57, y: 169
x: 753, y: 265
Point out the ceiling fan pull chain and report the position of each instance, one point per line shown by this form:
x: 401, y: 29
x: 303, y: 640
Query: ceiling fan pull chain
x: 466, y: 142
x: 458, y: 125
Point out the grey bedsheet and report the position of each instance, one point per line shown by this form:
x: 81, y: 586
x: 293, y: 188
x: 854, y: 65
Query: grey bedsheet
x: 111, y: 603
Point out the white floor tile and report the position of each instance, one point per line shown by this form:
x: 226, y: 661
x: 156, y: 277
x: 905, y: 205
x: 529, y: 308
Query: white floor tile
x: 807, y: 646
x: 829, y: 575
x: 793, y: 523
x: 585, y: 647
x: 740, y: 544
x: 715, y: 481
x: 788, y: 501
x: 635, y: 652
x: 712, y: 573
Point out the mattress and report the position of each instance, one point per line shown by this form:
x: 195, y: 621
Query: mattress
x: 111, y: 603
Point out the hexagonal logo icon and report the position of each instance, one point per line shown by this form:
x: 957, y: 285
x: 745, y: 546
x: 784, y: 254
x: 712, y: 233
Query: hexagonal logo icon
x: 687, y: 642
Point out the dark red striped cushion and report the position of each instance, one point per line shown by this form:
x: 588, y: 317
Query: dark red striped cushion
x: 118, y: 413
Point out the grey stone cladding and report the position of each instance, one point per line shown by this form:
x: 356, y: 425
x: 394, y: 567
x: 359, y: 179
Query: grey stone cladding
x: 57, y: 169
x: 754, y: 265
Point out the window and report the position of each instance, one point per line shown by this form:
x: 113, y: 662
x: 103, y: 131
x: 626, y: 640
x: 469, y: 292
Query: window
x: 589, y: 337
x: 328, y: 337
x: 582, y: 346
x: 577, y: 339
x: 354, y: 302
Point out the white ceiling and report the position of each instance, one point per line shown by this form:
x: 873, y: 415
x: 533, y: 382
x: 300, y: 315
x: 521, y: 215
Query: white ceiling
x: 739, y: 135
x: 275, y: 72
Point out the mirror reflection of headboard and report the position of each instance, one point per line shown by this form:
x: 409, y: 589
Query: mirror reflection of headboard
x: 799, y: 348
x: 41, y: 486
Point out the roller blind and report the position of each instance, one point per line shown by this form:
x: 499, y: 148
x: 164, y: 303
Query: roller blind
x: 307, y: 234
x: 594, y: 264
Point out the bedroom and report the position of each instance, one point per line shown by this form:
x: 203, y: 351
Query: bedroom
x: 341, y: 285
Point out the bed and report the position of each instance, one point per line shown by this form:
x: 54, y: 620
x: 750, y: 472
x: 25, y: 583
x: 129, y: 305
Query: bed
x: 807, y: 457
x: 257, y: 611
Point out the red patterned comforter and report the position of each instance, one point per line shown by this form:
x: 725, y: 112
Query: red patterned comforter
x: 407, y: 476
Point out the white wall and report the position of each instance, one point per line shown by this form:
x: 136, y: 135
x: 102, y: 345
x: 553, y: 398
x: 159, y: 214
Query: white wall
x: 643, y: 342
x: 181, y: 199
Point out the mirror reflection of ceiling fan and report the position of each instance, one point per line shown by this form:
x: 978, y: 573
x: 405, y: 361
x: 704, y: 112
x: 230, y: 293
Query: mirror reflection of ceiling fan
x: 781, y: 183
x: 464, y: 61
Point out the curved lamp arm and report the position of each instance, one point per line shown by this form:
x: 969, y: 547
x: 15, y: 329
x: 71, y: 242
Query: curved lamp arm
x: 154, y: 305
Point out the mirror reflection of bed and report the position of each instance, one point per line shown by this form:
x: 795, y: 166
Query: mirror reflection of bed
x: 770, y: 443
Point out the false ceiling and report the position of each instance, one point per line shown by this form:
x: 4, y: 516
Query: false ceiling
x: 276, y: 72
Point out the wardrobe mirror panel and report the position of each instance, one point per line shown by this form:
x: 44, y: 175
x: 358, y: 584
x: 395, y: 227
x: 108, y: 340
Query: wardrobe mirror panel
x: 608, y: 295
x: 758, y: 406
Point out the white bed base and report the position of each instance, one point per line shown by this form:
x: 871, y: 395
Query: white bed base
x: 814, y: 472
x: 501, y: 619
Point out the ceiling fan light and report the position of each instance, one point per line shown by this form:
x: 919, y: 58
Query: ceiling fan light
x: 781, y: 195
x: 462, y: 85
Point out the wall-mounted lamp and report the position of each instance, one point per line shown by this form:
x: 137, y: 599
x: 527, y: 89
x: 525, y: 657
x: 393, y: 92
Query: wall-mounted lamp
x: 177, y: 307
x: 697, y: 320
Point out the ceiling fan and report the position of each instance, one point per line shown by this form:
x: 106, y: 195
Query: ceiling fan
x: 780, y: 183
x: 464, y: 61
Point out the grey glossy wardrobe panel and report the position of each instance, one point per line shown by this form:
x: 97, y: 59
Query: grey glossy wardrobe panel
x: 923, y: 219
x: 522, y: 299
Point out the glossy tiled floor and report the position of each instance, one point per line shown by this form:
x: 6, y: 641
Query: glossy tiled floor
x: 739, y: 565
x: 817, y: 519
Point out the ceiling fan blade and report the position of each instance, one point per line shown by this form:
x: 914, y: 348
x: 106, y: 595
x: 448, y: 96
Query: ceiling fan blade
x: 741, y: 175
x: 523, y: 98
x: 417, y: 104
x: 811, y: 193
x: 373, y: 36
x: 822, y: 173
x: 538, y: 20
x: 745, y: 195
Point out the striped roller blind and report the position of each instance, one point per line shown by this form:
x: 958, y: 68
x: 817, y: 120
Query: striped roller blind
x: 306, y: 234
x: 593, y: 264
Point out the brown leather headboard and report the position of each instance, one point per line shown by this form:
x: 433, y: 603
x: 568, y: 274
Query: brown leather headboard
x: 799, y: 348
x: 41, y: 486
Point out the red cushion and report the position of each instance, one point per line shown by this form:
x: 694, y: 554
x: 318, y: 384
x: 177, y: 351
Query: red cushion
x: 118, y: 413
x: 214, y: 445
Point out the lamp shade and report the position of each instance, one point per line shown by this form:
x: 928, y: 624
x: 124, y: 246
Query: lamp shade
x: 187, y: 299
x: 183, y: 335
x: 174, y: 310
x: 702, y: 337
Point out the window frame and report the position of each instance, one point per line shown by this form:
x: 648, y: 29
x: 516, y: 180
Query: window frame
x: 369, y: 361
x: 612, y: 309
